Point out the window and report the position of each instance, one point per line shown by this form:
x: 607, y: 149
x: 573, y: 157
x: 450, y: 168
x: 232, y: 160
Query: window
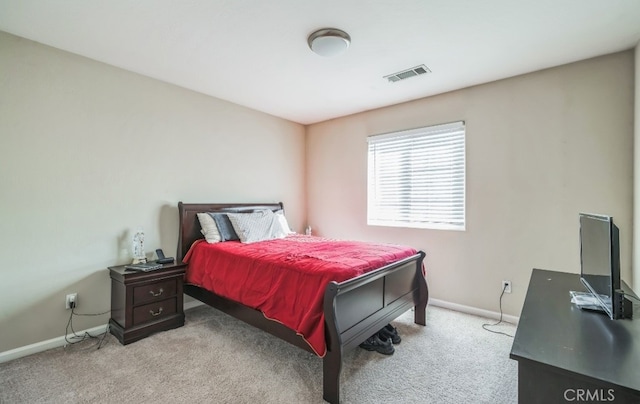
x: 417, y: 178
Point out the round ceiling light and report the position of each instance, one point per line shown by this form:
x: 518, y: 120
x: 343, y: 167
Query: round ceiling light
x: 329, y: 42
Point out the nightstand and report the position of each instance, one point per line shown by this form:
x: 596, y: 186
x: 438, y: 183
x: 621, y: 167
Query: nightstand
x: 145, y: 302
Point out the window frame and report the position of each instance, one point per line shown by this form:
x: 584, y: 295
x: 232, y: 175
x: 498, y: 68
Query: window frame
x: 430, y: 140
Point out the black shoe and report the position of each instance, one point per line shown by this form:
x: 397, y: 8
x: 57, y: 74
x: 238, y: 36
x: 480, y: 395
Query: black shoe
x: 390, y: 332
x: 374, y: 343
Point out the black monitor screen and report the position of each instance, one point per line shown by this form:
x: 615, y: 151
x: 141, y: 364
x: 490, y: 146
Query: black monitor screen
x: 595, y: 256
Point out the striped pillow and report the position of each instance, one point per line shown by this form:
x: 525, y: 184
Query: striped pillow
x: 256, y: 226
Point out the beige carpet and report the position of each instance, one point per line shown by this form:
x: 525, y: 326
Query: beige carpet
x: 215, y: 358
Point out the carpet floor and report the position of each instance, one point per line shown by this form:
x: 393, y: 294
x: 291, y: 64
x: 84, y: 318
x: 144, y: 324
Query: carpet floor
x: 215, y: 358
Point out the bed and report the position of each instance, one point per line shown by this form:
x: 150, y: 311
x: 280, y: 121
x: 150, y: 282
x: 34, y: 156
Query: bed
x: 351, y: 310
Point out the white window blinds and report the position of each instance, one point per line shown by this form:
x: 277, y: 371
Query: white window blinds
x: 417, y: 178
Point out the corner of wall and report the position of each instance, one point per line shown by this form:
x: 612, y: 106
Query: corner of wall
x: 636, y: 176
x: 306, y: 177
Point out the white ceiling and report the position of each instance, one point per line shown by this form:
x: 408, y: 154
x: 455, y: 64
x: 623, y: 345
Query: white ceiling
x: 255, y: 53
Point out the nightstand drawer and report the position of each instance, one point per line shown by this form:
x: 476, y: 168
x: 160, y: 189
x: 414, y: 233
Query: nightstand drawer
x: 143, y: 303
x: 154, y: 311
x: 154, y: 291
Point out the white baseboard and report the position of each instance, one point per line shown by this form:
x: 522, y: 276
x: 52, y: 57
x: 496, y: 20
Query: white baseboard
x: 473, y: 310
x: 435, y: 302
x: 60, y: 341
x: 45, y: 345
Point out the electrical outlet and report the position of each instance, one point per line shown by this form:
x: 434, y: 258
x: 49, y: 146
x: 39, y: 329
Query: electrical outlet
x: 71, y: 301
x: 506, y: 286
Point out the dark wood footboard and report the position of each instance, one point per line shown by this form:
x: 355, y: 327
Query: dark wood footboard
x: 358, y: 308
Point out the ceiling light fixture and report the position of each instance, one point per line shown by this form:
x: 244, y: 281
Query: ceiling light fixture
x: 329, y: 42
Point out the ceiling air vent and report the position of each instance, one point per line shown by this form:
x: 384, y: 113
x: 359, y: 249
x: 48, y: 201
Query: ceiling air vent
x: 405, y: 74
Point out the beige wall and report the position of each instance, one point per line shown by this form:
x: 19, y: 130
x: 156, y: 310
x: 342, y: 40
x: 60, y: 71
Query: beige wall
x: 541, y: 148
x: 89, y: 152
x: 636, y: 182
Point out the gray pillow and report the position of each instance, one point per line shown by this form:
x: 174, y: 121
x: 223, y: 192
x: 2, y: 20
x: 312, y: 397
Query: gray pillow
x: 225, y: 228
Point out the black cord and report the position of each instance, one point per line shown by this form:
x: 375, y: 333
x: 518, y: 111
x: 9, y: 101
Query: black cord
x: 484, y: 326
x: 70, y: 339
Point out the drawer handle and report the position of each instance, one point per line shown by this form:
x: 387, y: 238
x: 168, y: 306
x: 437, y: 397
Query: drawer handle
x: 156, y: 294
x: 157, y: 313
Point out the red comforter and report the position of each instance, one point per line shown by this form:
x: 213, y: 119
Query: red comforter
x: 286, y: 278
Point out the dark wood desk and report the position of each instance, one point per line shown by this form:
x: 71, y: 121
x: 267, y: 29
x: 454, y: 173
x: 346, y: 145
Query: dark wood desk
x: 566, y: 354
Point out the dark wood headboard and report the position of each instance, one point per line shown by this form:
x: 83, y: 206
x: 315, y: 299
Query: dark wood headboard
x: 189, y: 226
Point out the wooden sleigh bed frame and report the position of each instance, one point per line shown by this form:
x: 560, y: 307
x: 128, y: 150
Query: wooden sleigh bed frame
x: 354, y: 310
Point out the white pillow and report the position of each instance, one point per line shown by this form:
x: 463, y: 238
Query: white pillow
x: 209, y: 228
x: 256, y: 226
x: 283, y: 222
